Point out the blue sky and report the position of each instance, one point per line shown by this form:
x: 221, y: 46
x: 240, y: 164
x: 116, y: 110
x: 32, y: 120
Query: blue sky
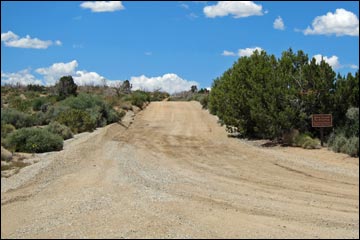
x: 168, y: 45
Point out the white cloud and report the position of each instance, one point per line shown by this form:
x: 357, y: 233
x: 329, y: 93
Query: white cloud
x: 169, y: 82
x: 148, y: 53
x: 103, y: 6
x: 353, y: 66
x: 23, y: 77
x: 8, y: 36
x: 228, y: 53
x: 340, y: 23
x: 248, y: 51
x: 332, y: 61
x: 238, y: 9
x: 53, y: 73
x: 12, y: 40
x: 279, y: 23
x: 83, y: 78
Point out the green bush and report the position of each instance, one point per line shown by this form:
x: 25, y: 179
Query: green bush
x: 77, y: 120
x: 305, y: 141
x: 34, y: 140
x: 16, y: 118
x: 339, y: 142
x: 37, y: 103
x: 204, y: 100
x: 6, y: 129
x: 352, y: 147
x: 138, y: 98
x: 19, y: 104
x: 59, y: 129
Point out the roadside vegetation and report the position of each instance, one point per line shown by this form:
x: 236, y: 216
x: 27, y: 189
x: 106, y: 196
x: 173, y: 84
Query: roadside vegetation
x: 37, y: 119
x: 267, y: 98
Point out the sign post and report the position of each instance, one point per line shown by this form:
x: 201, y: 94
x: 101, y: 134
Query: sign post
x: 321, y: 121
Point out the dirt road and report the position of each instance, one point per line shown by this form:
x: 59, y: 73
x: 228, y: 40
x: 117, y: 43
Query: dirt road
x: 174, y: 173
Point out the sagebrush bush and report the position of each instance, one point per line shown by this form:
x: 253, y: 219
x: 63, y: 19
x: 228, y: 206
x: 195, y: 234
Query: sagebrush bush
x: 352, y: 147
x: 59, y: 129
x: 100, y: 111
x: 34, y: 140
x: 339, y: 143
x: 77, y: 120
x: 6, y: 129
x: 138, y: 98
x: 19, y: 104
x: 16, y: 118
x: 305, y: 141
x: 204, y: 101
x: 37, y: 103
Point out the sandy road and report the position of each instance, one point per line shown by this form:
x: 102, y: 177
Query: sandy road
x: 174, y: 173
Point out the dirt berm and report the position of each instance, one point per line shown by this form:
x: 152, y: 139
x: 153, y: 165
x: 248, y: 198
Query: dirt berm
x: 174, y: 173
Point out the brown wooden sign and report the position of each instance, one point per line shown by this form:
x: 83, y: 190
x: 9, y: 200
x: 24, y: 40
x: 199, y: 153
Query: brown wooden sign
x: 322, y: 120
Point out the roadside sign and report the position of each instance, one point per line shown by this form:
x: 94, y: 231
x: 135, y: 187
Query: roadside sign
x: 321, y: 120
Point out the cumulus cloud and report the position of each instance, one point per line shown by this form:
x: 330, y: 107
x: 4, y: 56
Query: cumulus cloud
x: 340, y: 23
x: 83, y: 78
x: 332, y: 61
x: 12, y: 40
x: 103, y: 6
x: 237, y: 9
x: 23, y: 77
x: 53, y: 73
x: 228, y: 53
x: 247, y: 52
x: 169, y: 82
x: 8, y: 36
x: 279, y: 23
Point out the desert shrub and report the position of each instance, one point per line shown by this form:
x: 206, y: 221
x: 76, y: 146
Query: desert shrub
x: 6, y: 129
x: 352, y: 146
x: 82, y: 102
x: 34, y: 140
x: 37, y: 103
x: 59, y: 129
x: 138, y: 98
x: 19, y: 104
x: 204, y: 100
x: 100, y: 111
x: 16, y: 118
x: 77, y: 120
x: 339, y: 142
x: 31, y: 94
x: 158, y: 96
x: 311, y: 143
x: 345, y: 139
x: 305, y: 141
x: 289, y: 137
